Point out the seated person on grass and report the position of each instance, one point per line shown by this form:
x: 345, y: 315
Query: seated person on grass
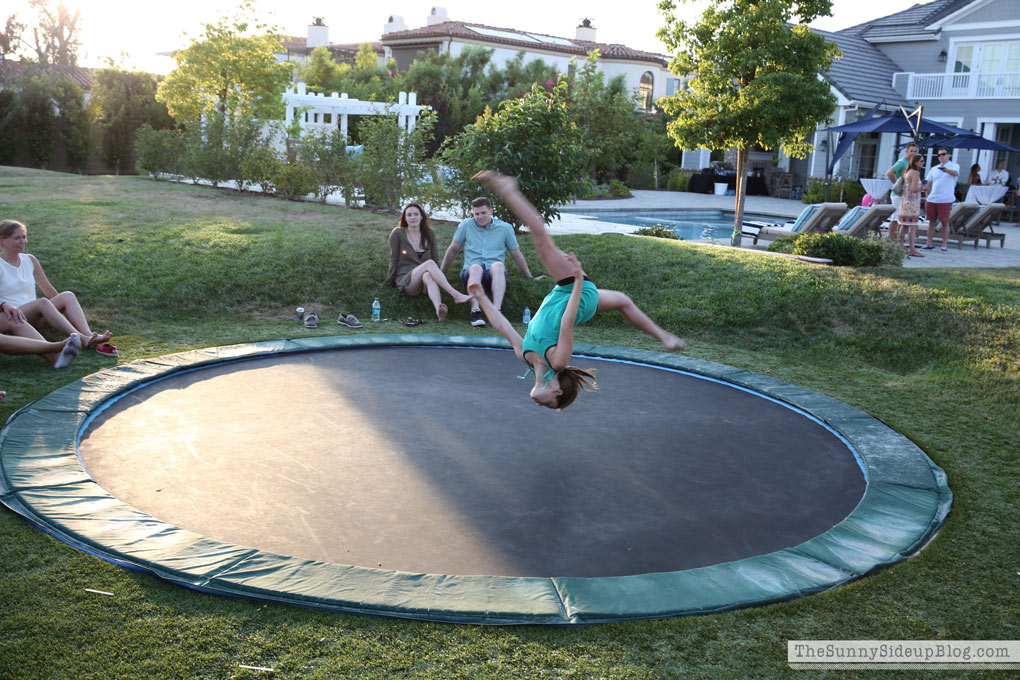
x: 485, y: 241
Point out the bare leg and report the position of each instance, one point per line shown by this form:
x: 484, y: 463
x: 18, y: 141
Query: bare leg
x: 945, y: 235
x: 42, y: 312
x: 554, y: 259
x: 19, y: 345
x: 68, y: 305
x: 894, y: 233
x: 911, y: 237
x: 475, y: 273
x: 414, y: 287
x: 498, y: 273
x: 612, y: 299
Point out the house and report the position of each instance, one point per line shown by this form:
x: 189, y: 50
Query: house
x: 11, y: 70
x: 296, y: 49
x: 644, y: 72
x: 958, y: 59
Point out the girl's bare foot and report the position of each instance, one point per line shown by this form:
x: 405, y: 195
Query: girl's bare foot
x: 915, y: 253
x: 442, y: 312
x: 498, y: 182
x: 673, y: 343
x: 461, y: 298
x: 98, y: 339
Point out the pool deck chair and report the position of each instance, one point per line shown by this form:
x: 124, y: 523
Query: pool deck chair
x: 817, y: 218
x: 958, y: 217
x: 859, y: 221
x: 974, y: 228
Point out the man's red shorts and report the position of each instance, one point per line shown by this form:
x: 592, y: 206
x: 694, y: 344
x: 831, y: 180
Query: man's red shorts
x: 938, y: 211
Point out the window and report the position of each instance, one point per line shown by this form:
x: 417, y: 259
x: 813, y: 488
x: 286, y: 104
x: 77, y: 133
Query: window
x: 645, y: 91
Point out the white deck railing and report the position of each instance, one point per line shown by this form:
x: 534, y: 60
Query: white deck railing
x: 973, y: 85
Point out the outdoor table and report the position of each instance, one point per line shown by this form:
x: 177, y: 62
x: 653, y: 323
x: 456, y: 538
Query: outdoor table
x: 985, y: 194
x: 878, y: 187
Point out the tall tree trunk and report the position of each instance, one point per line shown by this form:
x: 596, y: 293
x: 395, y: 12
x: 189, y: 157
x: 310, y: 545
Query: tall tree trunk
x: 738, y: 213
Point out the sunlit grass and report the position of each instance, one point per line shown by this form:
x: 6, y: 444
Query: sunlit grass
x: 934, y: 353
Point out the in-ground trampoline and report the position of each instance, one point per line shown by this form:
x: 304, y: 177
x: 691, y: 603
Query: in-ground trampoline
x: 412, y: 476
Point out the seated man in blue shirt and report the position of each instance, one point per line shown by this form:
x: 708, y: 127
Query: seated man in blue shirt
x: 485, y: 241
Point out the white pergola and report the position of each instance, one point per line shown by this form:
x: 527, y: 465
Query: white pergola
x: 317, y: 111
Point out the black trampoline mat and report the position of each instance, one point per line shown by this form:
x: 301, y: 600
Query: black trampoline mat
x: 434, y: 460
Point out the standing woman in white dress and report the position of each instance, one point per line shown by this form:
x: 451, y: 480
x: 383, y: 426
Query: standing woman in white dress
x: 20, y: 273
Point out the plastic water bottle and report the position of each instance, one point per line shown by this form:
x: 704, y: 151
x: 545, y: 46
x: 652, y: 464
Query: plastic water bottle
x: 527, y: 316
x: 376, y: 311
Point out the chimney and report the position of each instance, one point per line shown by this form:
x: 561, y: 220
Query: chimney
x: 395, y: 23
x: 318, y: 33
x: 437, y: 16
x: 586, y: 31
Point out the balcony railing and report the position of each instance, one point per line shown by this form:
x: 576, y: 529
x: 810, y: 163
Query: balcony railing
x: 973, y: 85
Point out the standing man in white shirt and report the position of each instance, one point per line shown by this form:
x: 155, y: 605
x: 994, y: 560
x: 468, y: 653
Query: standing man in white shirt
x: 1000, y: 175
x: 941, y: 194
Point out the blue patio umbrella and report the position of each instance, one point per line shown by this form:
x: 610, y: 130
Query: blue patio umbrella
x: 847, y: 138
x: 897, y: 122
x: 970, y: 141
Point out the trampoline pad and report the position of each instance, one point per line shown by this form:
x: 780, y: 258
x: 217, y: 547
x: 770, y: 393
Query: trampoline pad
x: 434, y: 460
x: 411, y: 476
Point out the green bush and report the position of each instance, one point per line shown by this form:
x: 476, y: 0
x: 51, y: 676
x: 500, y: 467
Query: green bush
x: 783, y: 244
x: 850, y: 192
x: 159, y: 151
x: 619, y: 189
x: 679, y: 180
x: 878, y: 251
x: 291, y: 180
x: 259, y: 167
x: 641, y: 177
x: 844, y: 250
x: 658, y: 231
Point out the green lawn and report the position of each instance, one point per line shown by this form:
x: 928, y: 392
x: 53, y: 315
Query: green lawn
x: 168, y: 267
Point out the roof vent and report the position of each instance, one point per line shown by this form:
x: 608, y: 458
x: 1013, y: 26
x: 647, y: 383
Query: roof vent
x: 585, y: 31
x: 437, y: 16
x: 395, y: 23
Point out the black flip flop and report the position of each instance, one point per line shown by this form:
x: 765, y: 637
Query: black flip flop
x: 411, y: 321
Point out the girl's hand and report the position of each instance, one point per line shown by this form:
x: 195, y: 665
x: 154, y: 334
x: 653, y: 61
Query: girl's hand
x: 13, y: 314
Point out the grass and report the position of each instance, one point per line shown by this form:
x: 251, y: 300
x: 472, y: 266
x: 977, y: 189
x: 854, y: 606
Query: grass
x: 934, y: 353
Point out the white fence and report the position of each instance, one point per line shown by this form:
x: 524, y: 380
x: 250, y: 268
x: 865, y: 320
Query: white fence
x: 317, y: 111
x: 973, y: 85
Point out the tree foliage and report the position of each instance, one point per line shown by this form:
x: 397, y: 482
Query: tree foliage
x: 532, y: 138
x: 10, y: 121
x: 126, y: 100
x: 56, y: 34
x: 10, y: 36
x: 37, y: 118
x: 753, y: 78
x: 76, y: 124
x: 230, y: 69
x: 605, y: 118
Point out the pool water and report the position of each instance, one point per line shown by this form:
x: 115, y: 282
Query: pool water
x: 688, y: 225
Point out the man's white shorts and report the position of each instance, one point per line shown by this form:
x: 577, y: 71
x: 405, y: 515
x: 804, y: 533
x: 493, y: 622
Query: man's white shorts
x: 895, y: 217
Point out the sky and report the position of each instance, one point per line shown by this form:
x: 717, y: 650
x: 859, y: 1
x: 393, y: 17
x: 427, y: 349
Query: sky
x: 131, y: 32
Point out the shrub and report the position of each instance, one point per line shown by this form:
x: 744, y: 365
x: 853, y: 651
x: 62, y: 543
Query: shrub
x: 844, y: 250
x: 850, y: 192
x: 878, y: 251
x: 291, y: 180
x: 159, y: 151
x: 619, y: 189
x: 325, y: 154
x: 679, y: 180
x: 641, y: 177
x: 658, y: 231
x: 783, y: 244
x: 259, y: 167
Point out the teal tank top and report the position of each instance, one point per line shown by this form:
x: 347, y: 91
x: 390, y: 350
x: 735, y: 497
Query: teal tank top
x: 544, y: 330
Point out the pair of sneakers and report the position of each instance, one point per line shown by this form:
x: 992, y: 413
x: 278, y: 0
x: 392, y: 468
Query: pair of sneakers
x: 477, y: 318
x: 349, y: 320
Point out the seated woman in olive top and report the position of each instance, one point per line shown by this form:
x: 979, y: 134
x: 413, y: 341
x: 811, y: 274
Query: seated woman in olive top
x: 413, y: 261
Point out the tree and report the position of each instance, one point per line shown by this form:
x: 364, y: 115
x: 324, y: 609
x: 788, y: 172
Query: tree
x: 231, y: 69
x: 754, y: 79
x: 126, y: 100
x: 10, y: 36
x: 10, y: 121
x: 75, y: 122
x: 37, y: 118
x: 56, y: 35
x: 532, y: 138
x: 605, y: 118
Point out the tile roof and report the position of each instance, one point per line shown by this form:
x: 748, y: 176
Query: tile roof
x: 864, y: 73
x: 11, y: 70
x: 461, y: 29
x: 910, y: 21
x: 300, y: 44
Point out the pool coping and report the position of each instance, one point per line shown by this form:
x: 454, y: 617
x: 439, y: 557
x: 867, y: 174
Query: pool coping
x: 906, y: 500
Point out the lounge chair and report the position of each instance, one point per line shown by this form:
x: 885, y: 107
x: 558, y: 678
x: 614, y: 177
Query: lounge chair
x: 817, y: 218
x: 858, y: 221
x: 974, y: 229
x: 958, y: 217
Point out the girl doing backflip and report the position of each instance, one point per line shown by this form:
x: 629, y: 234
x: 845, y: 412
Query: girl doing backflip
x: 549, y: 341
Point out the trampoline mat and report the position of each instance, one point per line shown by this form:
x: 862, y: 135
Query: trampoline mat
x: 434, y: 460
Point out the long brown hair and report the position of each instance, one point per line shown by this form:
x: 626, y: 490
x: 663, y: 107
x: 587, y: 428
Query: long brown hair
x: 427, y: 235
x: 572, y: 380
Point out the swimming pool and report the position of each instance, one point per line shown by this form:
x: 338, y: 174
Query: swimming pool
x: 690, y: 225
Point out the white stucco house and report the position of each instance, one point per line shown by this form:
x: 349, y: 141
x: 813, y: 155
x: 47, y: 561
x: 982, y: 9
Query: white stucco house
x: 644, y: 72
